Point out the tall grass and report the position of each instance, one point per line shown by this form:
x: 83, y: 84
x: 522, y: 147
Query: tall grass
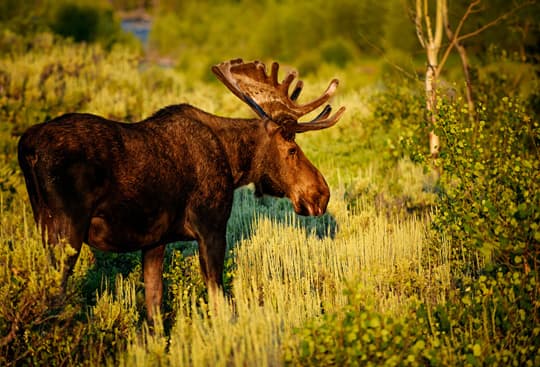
x: 282, y: 270
x: 286, y: 270
x: 285, y: 276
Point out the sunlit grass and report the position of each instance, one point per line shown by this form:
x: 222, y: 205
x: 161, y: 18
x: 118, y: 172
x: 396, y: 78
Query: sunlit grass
x: 283, y: 269
x: 286, y: 271
x: 284, y: 276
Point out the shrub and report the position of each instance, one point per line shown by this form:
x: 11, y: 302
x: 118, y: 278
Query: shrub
x: 492, y: 320
x: 33, y: 312
x: 338, y: 52
x: 357, y: 336
x: 398, y: 112
x: 491, y: 193
x: 82, y: 23
x: 183, y: 282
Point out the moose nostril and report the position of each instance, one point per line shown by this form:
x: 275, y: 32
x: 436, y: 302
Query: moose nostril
x: 318, y: 208
x: 323, y: 202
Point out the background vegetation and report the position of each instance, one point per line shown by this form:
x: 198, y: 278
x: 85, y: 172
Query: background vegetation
x: 407, y: 267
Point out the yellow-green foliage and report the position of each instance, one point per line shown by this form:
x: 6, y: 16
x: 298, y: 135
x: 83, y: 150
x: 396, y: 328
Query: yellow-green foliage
x: 362, y: 284
x: 499, y: 157
x: 310, y: 33
x: 282, y: 270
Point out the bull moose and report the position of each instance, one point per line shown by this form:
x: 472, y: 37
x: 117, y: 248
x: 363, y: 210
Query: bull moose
x: 138, y: 186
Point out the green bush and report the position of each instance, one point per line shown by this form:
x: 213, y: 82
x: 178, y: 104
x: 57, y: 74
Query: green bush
x: 338, y: 52
x: 79, y: 20
x: 183, y: 282
x: 492, y: 320
x: 398, y: 112
x: 357, y: 336
x: 33, y: 313
x: 490, y: 200
x: 84, y: 23
x: 489, y: 192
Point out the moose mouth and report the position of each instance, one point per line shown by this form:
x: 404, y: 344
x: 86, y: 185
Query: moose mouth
x: 304, y: 208
x: 305, y: 205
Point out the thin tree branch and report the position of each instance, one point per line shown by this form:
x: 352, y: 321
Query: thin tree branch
x: 468, y: 12
x: 418, y: 24
x: 408, y: 74
x: 494, y: 21
x: 464, y: 62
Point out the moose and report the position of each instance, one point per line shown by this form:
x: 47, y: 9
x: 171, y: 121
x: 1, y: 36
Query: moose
x: 138, y: 186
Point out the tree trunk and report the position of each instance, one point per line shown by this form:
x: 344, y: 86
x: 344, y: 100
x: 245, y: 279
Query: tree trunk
x: 431, y: 100
x: 432, y: 45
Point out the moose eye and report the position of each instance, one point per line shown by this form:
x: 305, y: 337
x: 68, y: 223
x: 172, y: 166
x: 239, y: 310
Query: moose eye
x: 293, y: 151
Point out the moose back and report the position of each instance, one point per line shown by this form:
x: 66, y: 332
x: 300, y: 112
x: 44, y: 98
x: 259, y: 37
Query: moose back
x: 139, y: 186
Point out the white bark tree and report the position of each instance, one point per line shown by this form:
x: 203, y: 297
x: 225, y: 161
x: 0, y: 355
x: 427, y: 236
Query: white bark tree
x: 430, y: 37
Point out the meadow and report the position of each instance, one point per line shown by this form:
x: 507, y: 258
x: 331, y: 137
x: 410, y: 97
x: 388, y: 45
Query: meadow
x: 405, y: 269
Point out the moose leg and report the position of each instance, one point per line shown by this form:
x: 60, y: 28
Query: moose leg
x: 212, y: 248
x: 153, y: 279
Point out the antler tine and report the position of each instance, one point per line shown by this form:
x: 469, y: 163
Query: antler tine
x: 274, y: 74
x: 308, y: 107
x: 324, y: 113
x: 317, y: 123
x: 271, y: 99
x: 286, y: 83
x: 297, y: 90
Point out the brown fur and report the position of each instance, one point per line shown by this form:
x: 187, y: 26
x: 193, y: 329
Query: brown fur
x: 125, y: 187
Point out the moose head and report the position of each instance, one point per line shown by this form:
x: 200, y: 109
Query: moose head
x: 286, y: 170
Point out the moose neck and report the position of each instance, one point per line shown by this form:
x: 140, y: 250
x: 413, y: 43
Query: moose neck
x: 241, y: 139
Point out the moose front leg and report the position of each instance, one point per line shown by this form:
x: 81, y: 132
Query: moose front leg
x: 152, y: 260
x: 212, y: 247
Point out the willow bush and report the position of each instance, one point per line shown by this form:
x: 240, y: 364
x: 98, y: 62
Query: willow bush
x: 487, y: 210
x: 491, y: 196
x: 491, y: 321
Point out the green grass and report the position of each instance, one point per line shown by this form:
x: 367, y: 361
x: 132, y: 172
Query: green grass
x: 283, y: 270
x: 294, y: 284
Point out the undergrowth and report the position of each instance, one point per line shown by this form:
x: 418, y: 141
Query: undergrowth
x: 404, y: 269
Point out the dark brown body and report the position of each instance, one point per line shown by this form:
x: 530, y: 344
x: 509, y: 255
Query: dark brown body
x: 125, y: 187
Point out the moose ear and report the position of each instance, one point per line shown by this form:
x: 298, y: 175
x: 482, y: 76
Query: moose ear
x: 271, y: 127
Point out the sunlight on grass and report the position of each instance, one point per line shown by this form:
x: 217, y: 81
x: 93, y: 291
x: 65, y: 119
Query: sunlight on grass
x: 286, y: 275
x: 283, y: 270
x: 286, y: 270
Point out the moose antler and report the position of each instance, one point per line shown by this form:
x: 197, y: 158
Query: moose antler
x: 270, y: 99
